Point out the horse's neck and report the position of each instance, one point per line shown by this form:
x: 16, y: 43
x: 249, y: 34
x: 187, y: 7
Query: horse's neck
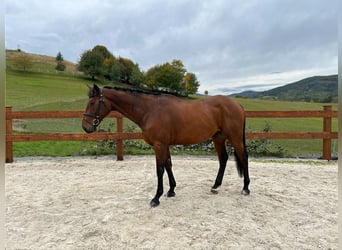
x: 134, y: 107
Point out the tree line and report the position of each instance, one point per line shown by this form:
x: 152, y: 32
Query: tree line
x: 170, y: 76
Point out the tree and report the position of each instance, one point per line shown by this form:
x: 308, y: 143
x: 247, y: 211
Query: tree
x: 152, y: 76
x: 169, y: 76
x: 99, y: 62
x: 60, y: 65
x: 59, y: 57
x: 91, y: 63
x: 126, y: 69
x: 108, y: 64
x: 23, y: 61
x: 178, y: 65
x: 118, y: 69
x: 137, y: 77
x: 193, y: 84
x: 103, y: 51
x: 112, y: 69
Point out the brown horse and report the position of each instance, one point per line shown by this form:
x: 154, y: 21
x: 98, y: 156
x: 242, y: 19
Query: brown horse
x: 169, y: 120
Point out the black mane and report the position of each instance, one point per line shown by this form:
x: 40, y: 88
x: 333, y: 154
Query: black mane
x: 146, y: 92
x: 137, y: 91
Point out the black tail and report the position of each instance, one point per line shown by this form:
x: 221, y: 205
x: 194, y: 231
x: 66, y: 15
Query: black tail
x: 240, y: 162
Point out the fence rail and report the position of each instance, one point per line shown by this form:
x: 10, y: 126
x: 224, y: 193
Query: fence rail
x: 327, y: 134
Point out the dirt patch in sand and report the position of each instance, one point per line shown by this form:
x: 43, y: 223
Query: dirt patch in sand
x: 100, y: 203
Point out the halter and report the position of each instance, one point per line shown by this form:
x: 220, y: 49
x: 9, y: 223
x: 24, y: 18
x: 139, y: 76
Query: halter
x: 97, y: 120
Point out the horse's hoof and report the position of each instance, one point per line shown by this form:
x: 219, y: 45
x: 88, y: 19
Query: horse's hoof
x: 171, y: 194
x: 154, y: 203
x: 245, y: 192
x: 215, y: 190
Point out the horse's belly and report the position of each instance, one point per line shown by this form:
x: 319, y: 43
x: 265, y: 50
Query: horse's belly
x: 191, y: 136
x: 181, y: 130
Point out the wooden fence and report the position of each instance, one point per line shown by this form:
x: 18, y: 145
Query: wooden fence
x: 327, y: 134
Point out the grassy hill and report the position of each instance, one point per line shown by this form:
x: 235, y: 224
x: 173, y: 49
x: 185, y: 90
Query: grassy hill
x: 312, y: 89
x: 42, y: 87
x: 43, y: 90
x: 41, y: 63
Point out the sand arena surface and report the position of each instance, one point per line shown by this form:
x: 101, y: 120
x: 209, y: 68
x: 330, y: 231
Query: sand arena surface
x: 100, y: 203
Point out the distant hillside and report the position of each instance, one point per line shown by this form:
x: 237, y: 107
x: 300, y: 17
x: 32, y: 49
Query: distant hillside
x: 247, y: 93
x: 41, y: 63
x: 312, y: 89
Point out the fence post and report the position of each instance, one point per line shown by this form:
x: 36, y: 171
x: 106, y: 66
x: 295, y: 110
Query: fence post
x: 9, y: 143
x: 327, y: 123
x: 119, y: 142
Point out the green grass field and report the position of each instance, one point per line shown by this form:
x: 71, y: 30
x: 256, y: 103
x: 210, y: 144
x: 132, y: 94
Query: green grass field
x: 37, y: 91
x: 41, y: 91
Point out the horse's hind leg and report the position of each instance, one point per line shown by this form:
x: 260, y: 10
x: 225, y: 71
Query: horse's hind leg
x: 172, y: 181
x: 220, y: 146
x: 241, y: 157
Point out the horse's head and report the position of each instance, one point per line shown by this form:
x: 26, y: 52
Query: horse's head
x: 97, y: 108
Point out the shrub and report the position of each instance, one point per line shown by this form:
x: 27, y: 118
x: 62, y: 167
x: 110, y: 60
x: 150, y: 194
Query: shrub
x: 265, y: 147
x: 60, y: 66
x: 254, y: 147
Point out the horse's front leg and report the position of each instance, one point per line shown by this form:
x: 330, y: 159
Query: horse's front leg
x: 160, y: 189
x: 161, y: 152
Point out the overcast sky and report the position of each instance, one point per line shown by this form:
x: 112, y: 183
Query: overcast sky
x: 230, y: 45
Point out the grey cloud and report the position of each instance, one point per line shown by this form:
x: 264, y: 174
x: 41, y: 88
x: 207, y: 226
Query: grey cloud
x: 218, y: 40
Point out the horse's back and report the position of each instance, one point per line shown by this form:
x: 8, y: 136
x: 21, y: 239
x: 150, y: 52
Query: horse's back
x: 221, y: 99
x: 213, y: 109
x: 227, y: 106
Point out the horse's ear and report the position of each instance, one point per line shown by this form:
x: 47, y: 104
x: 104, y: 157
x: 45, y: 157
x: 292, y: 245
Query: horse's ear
x: 96, y: 90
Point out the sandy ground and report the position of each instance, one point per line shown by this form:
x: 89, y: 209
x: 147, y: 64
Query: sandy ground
x: 100, y: 203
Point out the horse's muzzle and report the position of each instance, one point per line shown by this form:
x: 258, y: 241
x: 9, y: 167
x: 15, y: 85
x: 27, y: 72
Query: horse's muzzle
x: 88, y: 127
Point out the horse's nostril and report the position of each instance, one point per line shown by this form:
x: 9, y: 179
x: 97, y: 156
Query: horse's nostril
x: 87, y: 129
